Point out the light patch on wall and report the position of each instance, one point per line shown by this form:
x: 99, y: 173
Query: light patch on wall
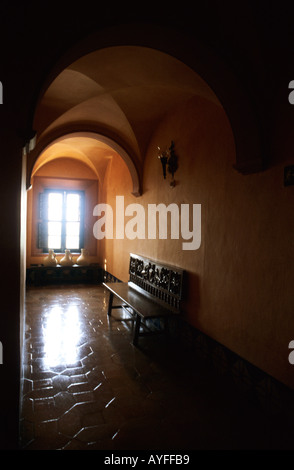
x: 1, y: 93
x: 1, y: 353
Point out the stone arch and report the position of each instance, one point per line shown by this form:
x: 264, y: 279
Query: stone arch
x: 200, y: 58
x: 61, y: 135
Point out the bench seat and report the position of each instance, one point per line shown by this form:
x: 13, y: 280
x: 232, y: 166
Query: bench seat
x: 143, y: 306
x: 153, y: 291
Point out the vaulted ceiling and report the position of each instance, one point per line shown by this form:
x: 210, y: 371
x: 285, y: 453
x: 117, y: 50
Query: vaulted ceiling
x: 118, y: 93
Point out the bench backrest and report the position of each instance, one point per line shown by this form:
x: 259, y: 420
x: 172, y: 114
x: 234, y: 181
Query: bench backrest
x: 162, y: 281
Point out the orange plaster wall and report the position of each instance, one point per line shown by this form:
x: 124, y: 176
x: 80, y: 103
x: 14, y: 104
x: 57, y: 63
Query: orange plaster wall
x: 115, y: 253
x: 240, y: 280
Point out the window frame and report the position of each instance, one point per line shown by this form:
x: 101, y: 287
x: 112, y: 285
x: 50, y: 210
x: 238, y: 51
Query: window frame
x: 43, y: 217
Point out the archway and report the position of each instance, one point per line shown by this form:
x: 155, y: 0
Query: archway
x: 89, y: 146
x: 202, y: 60
x: 116, y: 97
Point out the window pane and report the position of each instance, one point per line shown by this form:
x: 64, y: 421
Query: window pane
x: 73, y: 229
x: 54, y: 206
x: 54, y: 228
x: 72, y: 243
x: 54, y: 242
x: 72, y: 235
x: 73, y: 207
x: 54, y: 235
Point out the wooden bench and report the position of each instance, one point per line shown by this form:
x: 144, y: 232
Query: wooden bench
x: 154, y: 291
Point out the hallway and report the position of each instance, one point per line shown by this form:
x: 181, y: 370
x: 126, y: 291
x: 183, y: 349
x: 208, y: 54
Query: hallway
x: 87, y: 387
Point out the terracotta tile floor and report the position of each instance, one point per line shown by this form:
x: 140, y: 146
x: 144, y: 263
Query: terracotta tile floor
x: 87, y: 387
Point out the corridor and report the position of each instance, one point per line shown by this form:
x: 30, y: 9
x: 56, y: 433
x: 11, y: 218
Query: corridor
x: 87, y: 387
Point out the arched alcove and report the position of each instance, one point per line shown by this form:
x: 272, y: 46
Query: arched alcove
x: 107, y: 99
x: 92, y: 148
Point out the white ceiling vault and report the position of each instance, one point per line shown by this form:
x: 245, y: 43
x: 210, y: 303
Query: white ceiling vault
x: 110, y: 102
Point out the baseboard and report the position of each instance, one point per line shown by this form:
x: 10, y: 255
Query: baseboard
x: 272, y: 395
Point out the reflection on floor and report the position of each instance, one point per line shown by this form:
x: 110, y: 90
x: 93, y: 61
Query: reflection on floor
x: 87, y: 387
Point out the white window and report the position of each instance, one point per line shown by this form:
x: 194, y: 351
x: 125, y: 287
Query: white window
x: 62, y: 220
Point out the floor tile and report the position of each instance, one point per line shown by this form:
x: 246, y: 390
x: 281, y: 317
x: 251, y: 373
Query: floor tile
x: 86, y: 386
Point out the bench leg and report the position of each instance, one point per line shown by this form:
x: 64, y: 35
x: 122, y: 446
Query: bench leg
x: 110, y: 304
x: 137, y: 330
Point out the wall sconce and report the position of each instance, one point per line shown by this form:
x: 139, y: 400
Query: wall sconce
x: 169, y: 160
